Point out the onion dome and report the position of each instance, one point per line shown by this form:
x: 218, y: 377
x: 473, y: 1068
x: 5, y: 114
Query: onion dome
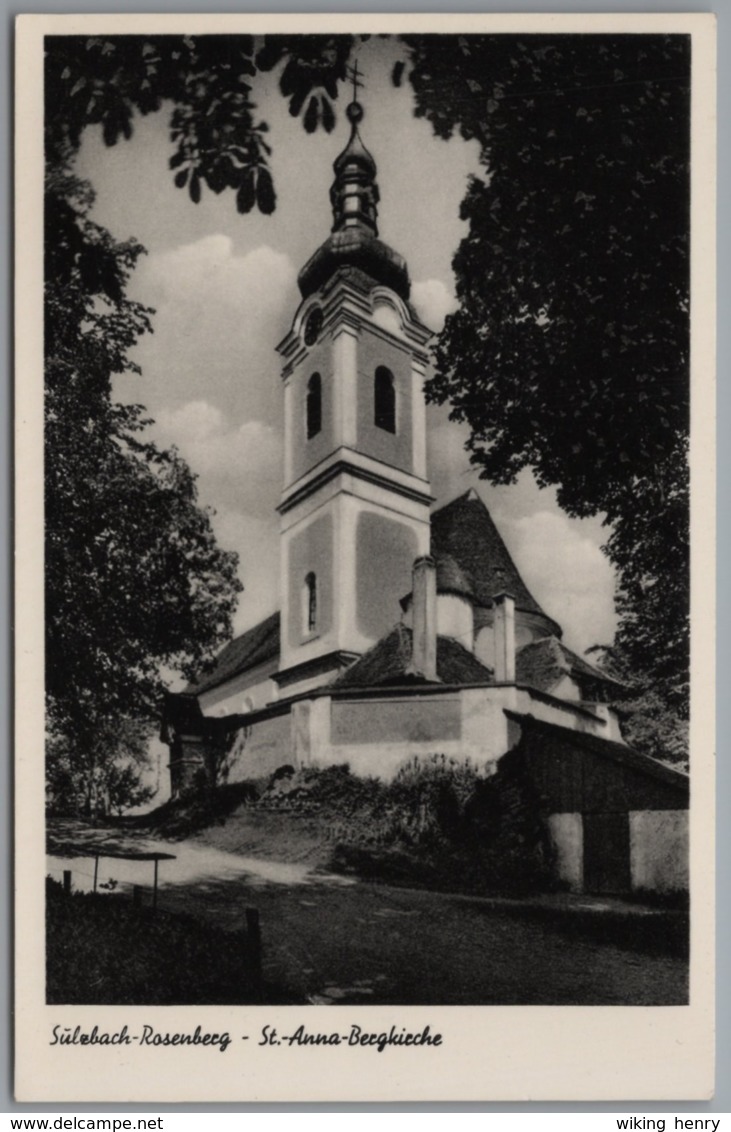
x: 354, y: 240
x: 451, y: 578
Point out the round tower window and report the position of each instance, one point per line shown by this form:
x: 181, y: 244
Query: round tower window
x: 313, y: 326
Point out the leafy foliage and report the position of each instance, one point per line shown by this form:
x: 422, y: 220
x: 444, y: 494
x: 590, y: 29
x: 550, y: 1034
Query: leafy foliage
x: 440, y: 821
x: 134, y: 579
x: 104, y: 773
x: 569, y: 352
x: 209, y: 80
x: 653, y: 715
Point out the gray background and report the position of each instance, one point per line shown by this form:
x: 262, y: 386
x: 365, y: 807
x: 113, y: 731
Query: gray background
x: 722, y: 1100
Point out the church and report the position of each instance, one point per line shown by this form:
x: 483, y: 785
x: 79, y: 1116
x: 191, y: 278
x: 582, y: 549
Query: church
x: 406, y: 630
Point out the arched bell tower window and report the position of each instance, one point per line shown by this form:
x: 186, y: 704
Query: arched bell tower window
x: 384, y: 398
x: 314, y: 406
x: 309, y: 603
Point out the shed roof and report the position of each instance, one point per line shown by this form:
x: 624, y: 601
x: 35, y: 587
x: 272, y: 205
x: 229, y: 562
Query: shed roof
x: 605, y: 748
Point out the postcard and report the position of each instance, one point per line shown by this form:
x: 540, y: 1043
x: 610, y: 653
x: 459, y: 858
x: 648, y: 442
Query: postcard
x: 364, y: 609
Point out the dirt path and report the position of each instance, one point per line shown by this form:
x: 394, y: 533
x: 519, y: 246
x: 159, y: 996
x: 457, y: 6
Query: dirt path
x: 333, y: 940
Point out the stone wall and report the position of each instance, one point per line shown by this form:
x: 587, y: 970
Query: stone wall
x: 659, y: 857
x: 260, y: 749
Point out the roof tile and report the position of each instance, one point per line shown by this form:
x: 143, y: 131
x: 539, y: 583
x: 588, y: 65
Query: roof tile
x: 387, y: 663
x: 254, y: 647
x: 464, y: 530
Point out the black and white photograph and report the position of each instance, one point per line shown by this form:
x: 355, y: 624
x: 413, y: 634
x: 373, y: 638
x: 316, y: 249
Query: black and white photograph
x: 367, y: 491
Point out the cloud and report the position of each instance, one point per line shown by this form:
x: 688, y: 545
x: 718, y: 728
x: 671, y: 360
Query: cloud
x: 450, y: 471
x: 218, y: 317
x: 256, y: 541
x: 433, y: 301
x: 566, y: 572
x: 239, y: 466
x: 239, y: 469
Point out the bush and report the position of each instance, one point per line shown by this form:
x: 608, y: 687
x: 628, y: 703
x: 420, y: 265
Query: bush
x: 182, y: 817
x: 440, y: 821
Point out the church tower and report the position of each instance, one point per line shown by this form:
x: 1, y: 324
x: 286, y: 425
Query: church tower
x: 355, y: 505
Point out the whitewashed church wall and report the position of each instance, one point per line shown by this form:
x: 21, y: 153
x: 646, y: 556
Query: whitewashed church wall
x: 567, y: 838
x: 345, y: 363
x: 609, y: 715
x: 566, y: 689
x: 394, y: 720
x: 485, y: 645
x: 393, y: 448
x: 563, y: 714
x: 454, y: 619
x: 659, y: 858
x: 385, y: 760
x: 484, y: 723
x: 310, y: 550
x: 385, y: 549
x: 306, y: 452
x: 311, y: 732
x: 248, y: 692
x: 377, y: 737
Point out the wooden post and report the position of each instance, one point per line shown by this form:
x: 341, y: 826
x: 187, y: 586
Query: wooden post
x: 96, y: 870
x: 137, y: 896
x: 154, y: 889
x: 253, y: 934
x: 67, y: 882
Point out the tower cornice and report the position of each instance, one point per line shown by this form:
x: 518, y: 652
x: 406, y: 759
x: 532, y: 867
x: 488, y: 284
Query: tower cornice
x: 348, y: 461
x: 349, y: 300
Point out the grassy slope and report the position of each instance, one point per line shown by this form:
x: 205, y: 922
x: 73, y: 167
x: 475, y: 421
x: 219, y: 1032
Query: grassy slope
x: 434, y: 826
x: 102, y: 950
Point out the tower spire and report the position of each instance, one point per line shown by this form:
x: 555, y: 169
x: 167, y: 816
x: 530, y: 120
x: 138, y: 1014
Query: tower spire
x: 355, y: 77
x: 354, y: 193
x: 353, y: 241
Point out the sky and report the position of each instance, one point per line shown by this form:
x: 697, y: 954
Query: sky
x: 224, y: 290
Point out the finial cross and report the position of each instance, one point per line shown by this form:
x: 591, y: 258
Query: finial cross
x: 355, y: 77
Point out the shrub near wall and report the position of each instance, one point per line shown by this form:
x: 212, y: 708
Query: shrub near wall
x: 440, y: 822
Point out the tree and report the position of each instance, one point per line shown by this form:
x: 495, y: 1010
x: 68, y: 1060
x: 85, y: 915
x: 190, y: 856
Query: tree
x: 134, y: 579
x: 103, y: 775
x: 569, y: 352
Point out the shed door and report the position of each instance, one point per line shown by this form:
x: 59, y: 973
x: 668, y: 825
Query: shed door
x: 606, y: 853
